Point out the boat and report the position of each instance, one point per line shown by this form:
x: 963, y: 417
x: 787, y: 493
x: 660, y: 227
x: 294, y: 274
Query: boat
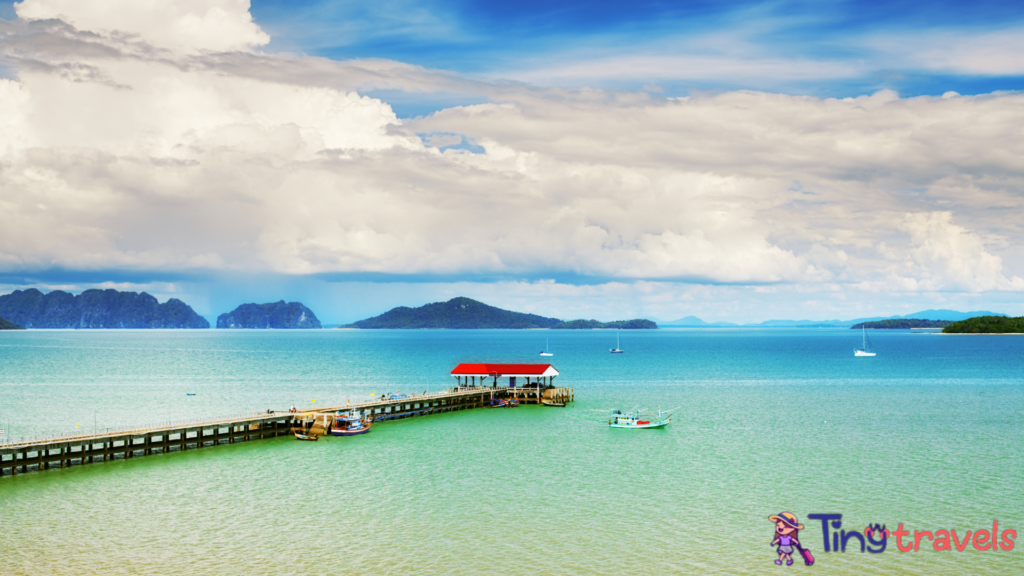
x: 350, y: 423
x: 504, y: 403
x: 547, y: 350
x: 553, y: 404
x: 864, y: 350
x: 301, y: 436
x: 638, y: 420
x: 617, y: 349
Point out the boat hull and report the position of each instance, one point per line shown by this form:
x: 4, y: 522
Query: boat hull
x: 651, y: 426
x: 862, y: 353
x: 352, y: 432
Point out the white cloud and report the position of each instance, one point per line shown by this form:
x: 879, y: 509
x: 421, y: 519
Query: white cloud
x: 149, y: 153
x: 947, y: 256
x: 177, y: 25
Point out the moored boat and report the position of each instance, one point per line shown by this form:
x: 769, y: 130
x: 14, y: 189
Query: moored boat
x: 617, y: 349
x: 351, y: 423
x: 547, y: 349
x: 301, y: 436
x: 865, y: 348
x: 637, y: 420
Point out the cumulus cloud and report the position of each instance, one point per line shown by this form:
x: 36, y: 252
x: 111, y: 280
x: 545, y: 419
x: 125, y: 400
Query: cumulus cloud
x: 947, y: 256
x: 178, y: 25
x: 153, y: 136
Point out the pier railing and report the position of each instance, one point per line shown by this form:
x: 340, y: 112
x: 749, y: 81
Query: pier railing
x: 108, y: 431
x: 8, y: 441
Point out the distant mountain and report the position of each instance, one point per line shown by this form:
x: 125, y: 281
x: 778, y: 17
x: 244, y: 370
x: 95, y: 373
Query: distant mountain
x: 638, y: 324
x: 902, y: 324
x: 688, y: 321
x: 693, y: 321
x: 986, y: 325
x: 96, y: 309
x: 5, y: 325
x: 459, y: 313
x: 951, y: 315
x: 275, y: 315
x: 948, y: 315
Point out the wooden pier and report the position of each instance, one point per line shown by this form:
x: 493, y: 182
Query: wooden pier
x: 52, y: 452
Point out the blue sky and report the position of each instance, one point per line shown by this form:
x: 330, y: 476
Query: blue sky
x: 508, y: 39
x: 738, y: 161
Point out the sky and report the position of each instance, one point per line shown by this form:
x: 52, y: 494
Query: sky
x: 737, y: 161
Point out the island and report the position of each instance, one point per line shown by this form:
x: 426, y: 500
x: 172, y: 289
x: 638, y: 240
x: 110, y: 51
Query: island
x: 902, y: 324
x: 457, y: 313
x: 637, y: 324
x: 463, y: 313
x: 987, y: 325
x: 272, y: 315
x: 96, y: 309
x: 5, y: 325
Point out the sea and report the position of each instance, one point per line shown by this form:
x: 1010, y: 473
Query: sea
x: 928, y: 434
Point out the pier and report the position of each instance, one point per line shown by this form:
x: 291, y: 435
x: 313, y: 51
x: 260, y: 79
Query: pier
x: 62, y: 451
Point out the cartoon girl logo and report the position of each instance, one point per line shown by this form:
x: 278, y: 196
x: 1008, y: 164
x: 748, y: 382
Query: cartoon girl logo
x: 787, y: 529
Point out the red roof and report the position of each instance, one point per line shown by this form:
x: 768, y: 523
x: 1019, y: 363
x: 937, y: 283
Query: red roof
x: 539, y: 370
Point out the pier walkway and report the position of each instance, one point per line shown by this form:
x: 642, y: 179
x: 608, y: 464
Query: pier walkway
x: 40, y: 453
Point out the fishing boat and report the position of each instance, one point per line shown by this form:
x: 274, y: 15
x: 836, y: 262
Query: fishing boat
x: 639, y: 420
x: 617, y: 349
x: 504, y: 403
x: 865, y: 348
x: 350, y: 423
x: 301, y: 436
x: 553, y: 404
x: 547, y: 349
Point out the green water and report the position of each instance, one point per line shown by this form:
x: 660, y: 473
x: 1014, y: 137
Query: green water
x: 928, y: 433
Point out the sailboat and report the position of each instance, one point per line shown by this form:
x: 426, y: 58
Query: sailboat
x: 547, y: 349
x: 863, y: 350
x: 617, y: 350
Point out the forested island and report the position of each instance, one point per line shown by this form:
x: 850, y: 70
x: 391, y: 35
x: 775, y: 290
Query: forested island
x: 902, y: 324
x: 96, y: 309
x: 272, y: 315
x: 638, y: 324
x: 457, y: 313
x: 987, y: 325
x: 5, y: 325
x: 465, y: 313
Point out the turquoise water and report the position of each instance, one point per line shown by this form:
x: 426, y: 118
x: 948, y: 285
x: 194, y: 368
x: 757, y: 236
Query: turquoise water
x: 928, y: 433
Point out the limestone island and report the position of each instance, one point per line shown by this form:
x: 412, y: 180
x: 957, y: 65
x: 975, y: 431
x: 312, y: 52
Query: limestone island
x: 5, y: 325
x: 272, y: 315
x: 96, y: 309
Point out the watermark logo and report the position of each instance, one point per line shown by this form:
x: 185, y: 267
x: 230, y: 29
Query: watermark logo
x: 787, y: 529
x: 874, y: 538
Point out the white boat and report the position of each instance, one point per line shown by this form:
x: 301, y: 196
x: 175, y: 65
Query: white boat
x: 617, y: 349
x: 864, y: 349
x: 547, y: 349
x: 638, y: 421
